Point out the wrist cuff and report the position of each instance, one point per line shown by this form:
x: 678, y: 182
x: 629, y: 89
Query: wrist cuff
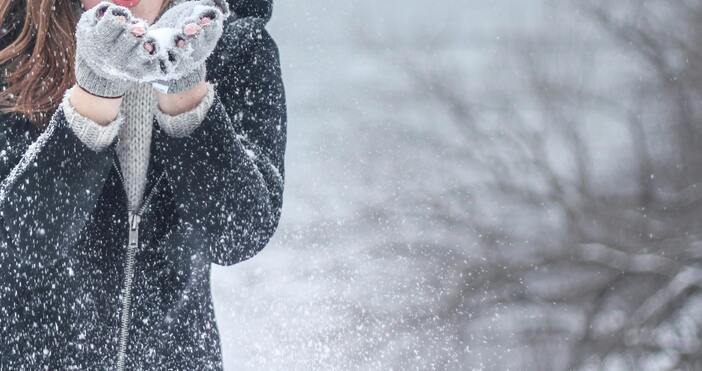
x: 98, y: 85
x: 183, y: 124
x: 188, y: 81
x: 97, y: 137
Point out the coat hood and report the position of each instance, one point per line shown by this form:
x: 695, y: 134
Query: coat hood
x: 247, y: 8
x: 252, y: 8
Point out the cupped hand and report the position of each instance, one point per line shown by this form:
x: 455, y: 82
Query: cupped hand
x: 186, y: 35
x: 114, y: 44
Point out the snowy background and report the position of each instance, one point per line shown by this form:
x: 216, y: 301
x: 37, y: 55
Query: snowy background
x: 481, y: 185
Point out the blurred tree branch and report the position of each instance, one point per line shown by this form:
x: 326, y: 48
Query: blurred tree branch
x: 544, y: 198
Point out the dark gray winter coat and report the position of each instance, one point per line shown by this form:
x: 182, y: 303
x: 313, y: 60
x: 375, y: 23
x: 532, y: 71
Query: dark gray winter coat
x: 212, y: 197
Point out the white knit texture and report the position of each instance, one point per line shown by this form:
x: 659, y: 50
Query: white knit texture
x: 185, y: 123
x: 134, y: 145
x: 92, y: 134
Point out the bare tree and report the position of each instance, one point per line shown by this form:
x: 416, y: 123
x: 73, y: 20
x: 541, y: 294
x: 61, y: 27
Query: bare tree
x: 567, y: 198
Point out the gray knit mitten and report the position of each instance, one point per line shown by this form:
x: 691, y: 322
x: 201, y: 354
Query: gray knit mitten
x: 112, y: 50
x: 187, y: 34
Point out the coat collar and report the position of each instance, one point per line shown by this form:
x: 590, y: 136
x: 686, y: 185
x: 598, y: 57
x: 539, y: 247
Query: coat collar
x: 245, y: 8
x: 252, y: 8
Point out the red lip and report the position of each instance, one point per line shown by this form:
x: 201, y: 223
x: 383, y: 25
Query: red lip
x: 126, y: 3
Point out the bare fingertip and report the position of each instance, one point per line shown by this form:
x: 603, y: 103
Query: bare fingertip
x: 149, y: 47
x: 138, y: 31
x: 191, y: 29
x: 180, y: 41
x: 101, y: 11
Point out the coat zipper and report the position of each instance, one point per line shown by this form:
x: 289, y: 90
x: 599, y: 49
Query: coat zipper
x: 133, y: 220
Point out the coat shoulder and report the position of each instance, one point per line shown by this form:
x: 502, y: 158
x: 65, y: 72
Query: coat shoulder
x: 240, y: 39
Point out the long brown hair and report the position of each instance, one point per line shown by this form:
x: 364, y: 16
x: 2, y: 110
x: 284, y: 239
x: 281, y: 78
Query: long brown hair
x: 38, y: 64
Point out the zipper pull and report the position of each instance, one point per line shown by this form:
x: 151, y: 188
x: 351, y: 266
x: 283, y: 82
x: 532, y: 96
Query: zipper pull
x: 134, y: 220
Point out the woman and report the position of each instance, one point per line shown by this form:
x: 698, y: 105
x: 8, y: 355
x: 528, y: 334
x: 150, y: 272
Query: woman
x: 127, y: 171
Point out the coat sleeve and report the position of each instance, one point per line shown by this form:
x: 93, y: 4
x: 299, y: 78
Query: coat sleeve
x: 97, y: 137
x: 227, y: 175
x: 50, y: 185
x: 183, y: 124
